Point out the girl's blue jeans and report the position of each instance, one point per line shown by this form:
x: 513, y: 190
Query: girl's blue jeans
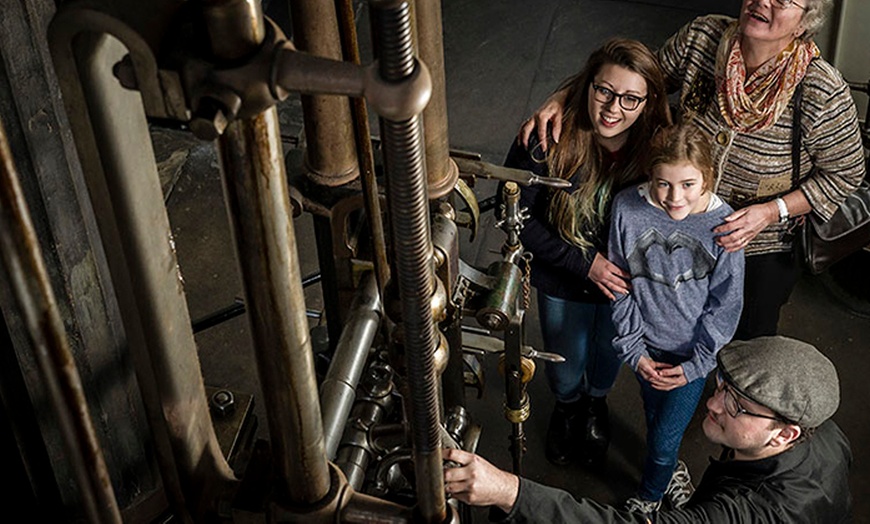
x: 583, y: 334
x: 668, y: 414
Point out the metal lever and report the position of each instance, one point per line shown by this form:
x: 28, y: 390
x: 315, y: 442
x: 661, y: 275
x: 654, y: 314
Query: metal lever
x: 482, y: 169
x: 482, y: 344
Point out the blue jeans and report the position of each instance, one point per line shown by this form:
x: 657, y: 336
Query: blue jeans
x: 583, y: 334
x: 668, y: 413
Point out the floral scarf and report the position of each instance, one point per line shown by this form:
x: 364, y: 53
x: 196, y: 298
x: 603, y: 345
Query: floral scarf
x: 756, y: 103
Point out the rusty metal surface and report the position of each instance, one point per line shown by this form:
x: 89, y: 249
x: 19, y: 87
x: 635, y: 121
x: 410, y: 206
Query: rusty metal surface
x: 441, y: 170
x: 365, y: 155
x: 330, y: 156
x: 29, y: 279
x: 258, y: 198
x: 114, y: 146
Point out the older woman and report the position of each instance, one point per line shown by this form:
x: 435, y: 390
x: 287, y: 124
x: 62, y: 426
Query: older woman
x: 738, y: 79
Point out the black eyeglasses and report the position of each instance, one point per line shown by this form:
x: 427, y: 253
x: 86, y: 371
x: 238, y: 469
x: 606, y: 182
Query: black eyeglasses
x: 626, y: 101
x: 785, y: 4
x: 732, y: 402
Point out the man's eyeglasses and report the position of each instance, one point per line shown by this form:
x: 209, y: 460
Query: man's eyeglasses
x: 626, y: 101
x: 732, y: 402
x: 785, y: 4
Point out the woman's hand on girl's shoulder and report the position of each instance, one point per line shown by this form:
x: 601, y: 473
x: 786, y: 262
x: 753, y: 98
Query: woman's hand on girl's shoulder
x: 609, y: 277
x: 548, y: 115
x: 743, y: 225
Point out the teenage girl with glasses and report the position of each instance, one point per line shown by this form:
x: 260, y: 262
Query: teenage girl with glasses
x: 613, y: 107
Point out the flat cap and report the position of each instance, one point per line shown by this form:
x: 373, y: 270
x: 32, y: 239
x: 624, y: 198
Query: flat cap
x: 790, y: 377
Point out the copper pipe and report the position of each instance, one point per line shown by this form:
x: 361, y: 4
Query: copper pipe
x: 29, y: 280
x: 330, y: 155
x: 257, y: 194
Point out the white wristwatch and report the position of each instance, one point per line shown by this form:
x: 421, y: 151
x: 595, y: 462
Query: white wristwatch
x: 783, y: 209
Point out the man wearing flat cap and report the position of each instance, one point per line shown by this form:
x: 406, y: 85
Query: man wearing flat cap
x: 783, y: 460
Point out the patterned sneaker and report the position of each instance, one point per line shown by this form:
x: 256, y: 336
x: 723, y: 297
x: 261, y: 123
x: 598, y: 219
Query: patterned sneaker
x: 642, y: 507
x: 680, y: 488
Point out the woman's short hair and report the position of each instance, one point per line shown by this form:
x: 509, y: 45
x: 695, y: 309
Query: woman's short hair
x: 683, y: 143
x: 814, y: 17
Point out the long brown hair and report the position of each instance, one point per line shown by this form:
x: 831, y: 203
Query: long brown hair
x: 581, y: 215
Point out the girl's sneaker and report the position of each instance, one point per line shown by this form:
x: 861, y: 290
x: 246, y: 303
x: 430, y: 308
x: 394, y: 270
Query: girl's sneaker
x: 642, y: 507
x: 680, y: 488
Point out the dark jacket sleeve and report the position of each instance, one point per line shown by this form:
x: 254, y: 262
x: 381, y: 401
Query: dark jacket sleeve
x: 538, y: 236
x: 537, y: 503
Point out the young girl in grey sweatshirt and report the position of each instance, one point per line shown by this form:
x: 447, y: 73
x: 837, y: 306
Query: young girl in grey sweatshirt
x: 686, y: 294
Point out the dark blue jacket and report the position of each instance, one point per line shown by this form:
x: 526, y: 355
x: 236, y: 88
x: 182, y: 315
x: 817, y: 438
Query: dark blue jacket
x: 559, y: 269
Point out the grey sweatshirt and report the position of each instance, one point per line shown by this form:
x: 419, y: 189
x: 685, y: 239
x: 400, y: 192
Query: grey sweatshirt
x: 687, y: 292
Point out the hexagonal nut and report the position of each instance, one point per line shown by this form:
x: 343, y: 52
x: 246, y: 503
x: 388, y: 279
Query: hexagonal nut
x: 223, y: 403
x: 209, y: 121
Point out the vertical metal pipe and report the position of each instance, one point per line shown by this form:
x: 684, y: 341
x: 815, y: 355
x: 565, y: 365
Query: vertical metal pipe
x: 365, y: 154
x: 330, y: 155
x: 338, y: 390
x: 258, y: 198
x: 30, y: 283
x: 442, y: 172
x: 409, y: 215
x: 259, y: 201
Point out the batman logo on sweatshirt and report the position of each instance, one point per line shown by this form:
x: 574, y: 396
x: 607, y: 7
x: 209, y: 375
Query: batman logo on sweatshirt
x: 669, y: 260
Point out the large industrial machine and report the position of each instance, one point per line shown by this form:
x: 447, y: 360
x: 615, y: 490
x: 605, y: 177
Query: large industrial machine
x: 107, y: 416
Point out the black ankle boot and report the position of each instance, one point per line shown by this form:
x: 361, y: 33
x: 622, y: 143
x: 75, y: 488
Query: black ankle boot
x: 560, y: 434
x: 596, y: 431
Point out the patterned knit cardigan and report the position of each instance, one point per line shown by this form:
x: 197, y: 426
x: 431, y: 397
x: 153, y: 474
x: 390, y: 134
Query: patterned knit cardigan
x: 756, y: 167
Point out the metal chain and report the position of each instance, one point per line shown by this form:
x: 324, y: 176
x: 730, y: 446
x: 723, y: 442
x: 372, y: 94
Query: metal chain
x: 527, y: 275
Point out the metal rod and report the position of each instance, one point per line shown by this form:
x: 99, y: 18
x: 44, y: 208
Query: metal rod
x: 365, y: 154
x: 409, y: 214
x: 259, y: 201
x: 220, y: 316
x: 516, y: 401
x: 337, y: 392
x: 29, y: 280
x: 332, y: 305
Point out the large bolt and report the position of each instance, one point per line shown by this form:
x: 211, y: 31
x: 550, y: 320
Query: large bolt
x: 223, y: 402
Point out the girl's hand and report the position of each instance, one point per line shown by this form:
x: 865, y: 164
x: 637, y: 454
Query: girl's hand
x: 646, y: 368
x: 745, y: 224
x: 550, y: 113
x: 609, y: 277
x: 670, y: 377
